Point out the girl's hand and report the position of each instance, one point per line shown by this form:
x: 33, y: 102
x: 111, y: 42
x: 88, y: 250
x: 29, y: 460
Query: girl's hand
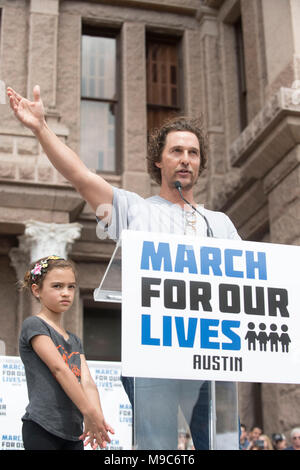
x: 96, y: 432
x: 30, y: 113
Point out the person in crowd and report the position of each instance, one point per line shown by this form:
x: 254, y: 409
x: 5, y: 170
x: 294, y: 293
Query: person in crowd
x: 267, y: 443
x: 254, y: 434
x: 263, y: 443
x: 295, y: 438
x: 279, y: 441
x: 244, y: 442
x: 62, y: 394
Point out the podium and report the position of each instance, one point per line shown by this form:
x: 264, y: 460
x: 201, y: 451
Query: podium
x: 173, y: 413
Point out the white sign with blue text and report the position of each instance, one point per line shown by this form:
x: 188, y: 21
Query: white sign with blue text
x: 206, y: 308
x: 14, y: 400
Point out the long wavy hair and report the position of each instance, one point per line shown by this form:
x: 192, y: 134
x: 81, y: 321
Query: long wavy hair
x: 157, y: 142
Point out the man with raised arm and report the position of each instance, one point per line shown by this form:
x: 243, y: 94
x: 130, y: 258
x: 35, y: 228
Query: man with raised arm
x: 176, y: 157
x: 177, y: 153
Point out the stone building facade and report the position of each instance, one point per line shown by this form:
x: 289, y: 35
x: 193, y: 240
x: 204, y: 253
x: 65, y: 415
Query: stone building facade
x: 235, y: 61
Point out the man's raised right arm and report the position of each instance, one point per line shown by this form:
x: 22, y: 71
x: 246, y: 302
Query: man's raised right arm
x: 92, y: 187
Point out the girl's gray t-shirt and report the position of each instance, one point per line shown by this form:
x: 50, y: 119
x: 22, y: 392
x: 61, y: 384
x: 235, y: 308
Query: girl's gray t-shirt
x: 49, y: 406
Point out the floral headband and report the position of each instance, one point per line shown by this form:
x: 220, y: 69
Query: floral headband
x: 41, y: 266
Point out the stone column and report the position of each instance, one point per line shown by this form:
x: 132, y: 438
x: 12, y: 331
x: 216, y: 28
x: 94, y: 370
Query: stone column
x: 135, y: 175
x: 42, y: 60
x: 282, y: 56
x: 212, y: 101
x: 20, y: 260
x: 194, y: 92
x: 42, y: 70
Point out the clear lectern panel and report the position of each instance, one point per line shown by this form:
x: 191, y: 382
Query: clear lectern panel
x: 175, y: 414
x: 226, y: 420
x: 184, y: 415
x: 110, y: 288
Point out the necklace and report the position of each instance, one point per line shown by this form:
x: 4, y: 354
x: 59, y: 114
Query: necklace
x: 190, y: 222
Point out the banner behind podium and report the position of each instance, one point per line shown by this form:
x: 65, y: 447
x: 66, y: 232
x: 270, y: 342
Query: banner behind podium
x: 14, y: 399
x: 210, y: 309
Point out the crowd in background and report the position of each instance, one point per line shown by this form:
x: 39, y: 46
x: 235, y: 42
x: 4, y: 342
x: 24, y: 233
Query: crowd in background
x: 255, y: 439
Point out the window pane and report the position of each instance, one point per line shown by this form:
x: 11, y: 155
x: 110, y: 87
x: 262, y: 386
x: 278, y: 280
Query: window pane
x: 155, y: 117
x: 98, y: 135
x: 98, y: 67
x: 162, y: 72
x: 163, y: 93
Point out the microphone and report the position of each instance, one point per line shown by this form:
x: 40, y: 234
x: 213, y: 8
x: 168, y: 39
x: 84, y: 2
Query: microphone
x: 209, y: 231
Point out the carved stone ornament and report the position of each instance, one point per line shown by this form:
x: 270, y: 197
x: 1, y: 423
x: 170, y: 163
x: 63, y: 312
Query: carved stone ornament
x: 45, y: 239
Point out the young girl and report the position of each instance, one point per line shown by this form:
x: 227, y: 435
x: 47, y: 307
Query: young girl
x: 62, y: 394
